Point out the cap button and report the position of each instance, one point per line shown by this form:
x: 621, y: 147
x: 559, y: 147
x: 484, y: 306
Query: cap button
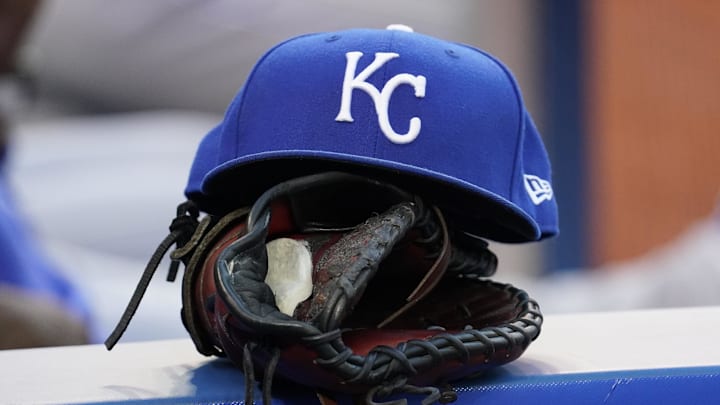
x: 399, y: 27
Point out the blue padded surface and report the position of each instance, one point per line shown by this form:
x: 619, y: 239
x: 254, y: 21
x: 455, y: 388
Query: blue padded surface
x: 696, y: 385
x: 220, y: 383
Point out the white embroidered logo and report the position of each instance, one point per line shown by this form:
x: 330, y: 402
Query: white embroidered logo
x: 539, y: 190
x: 381, y: 98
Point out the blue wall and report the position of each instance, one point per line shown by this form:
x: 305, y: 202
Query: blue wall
x: 562, y: 88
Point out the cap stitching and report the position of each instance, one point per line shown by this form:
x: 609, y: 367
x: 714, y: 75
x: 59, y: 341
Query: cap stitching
x: 521, y: 109
x: 256, y: 68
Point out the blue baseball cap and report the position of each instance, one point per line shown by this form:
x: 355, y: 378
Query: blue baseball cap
x: 440, y: 119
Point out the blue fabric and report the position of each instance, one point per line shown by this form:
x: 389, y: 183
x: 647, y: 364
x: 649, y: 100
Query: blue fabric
x: 477, y: 146
x: 691, y: 385
x: 219, y: 382
x: 24, y: 266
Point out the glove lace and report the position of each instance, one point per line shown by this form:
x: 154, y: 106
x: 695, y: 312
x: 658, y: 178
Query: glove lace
x: 248, y: 366
x: 181, y: 231
x: 470, y: 255
x: 432, y: 394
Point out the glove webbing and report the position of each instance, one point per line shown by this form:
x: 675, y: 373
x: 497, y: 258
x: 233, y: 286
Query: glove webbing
x: 415, y: 355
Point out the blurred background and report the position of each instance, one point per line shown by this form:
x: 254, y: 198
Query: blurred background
x: 108, y: 101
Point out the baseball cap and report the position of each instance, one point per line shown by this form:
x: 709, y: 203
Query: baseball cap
x: 441, y: 119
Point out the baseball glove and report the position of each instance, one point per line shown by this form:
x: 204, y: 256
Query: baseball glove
x: 344, y: 284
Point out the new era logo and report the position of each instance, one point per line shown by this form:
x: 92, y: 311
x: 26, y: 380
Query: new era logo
x: 538, y: 189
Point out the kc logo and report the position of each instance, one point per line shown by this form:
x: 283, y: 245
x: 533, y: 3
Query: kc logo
x: 381, y: 98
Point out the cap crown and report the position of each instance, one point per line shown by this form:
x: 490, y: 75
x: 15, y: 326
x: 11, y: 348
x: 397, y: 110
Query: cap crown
x: 442, y: 119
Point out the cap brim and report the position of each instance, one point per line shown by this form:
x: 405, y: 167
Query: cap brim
x: 471, y: 208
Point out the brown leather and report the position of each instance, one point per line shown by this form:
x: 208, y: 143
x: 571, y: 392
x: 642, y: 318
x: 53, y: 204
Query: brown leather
x: 433, y: 276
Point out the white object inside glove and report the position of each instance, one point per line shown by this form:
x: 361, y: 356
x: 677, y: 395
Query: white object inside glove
x: 289, y: 273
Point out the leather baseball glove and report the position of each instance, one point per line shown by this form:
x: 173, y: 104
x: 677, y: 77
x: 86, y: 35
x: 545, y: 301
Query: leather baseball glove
x: 344, y: 284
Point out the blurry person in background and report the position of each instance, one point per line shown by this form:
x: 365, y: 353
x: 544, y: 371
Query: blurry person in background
x: 38, y: 305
